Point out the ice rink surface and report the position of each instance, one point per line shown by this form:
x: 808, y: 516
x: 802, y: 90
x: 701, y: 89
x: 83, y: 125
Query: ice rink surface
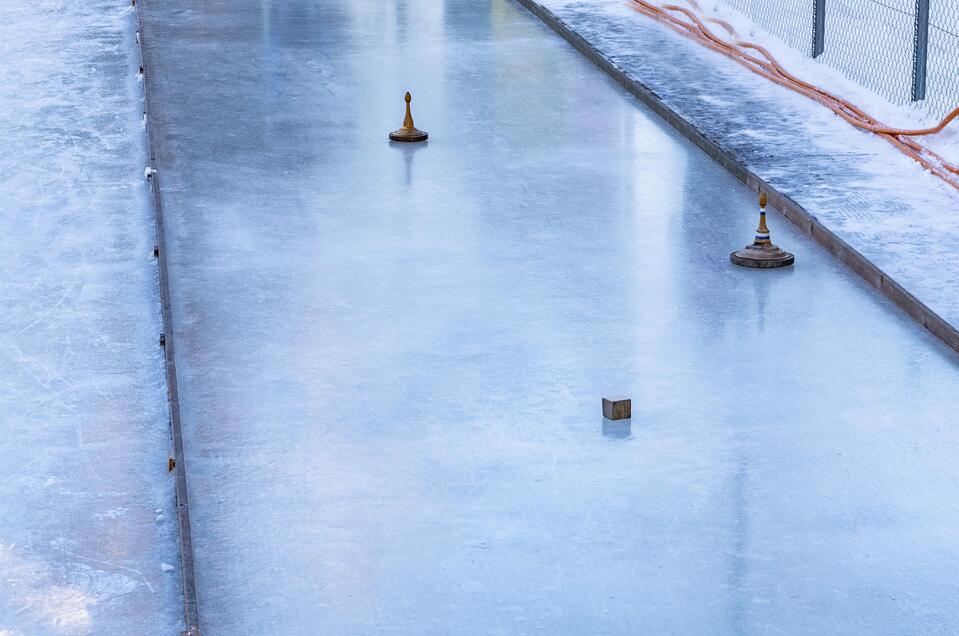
x: 86, y: 504
x: 392, y: 357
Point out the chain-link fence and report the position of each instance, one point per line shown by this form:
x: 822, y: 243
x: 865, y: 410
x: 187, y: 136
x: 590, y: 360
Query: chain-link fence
x: 905, y: 50
x: 790, y: 21
x: 942, y: 82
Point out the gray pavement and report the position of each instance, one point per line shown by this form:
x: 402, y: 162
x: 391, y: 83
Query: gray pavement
x: 392, y: 357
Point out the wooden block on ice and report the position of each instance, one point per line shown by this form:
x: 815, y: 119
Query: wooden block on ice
x: 617, y: 408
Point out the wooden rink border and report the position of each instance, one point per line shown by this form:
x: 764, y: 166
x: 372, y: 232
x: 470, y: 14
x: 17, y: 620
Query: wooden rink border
x: 191, y: 613
x: 778, y: 201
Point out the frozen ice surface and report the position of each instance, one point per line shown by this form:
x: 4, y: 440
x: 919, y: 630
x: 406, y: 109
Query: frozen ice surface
x: 880, y: 202
x: 83, y: 416
x: 392, y: 356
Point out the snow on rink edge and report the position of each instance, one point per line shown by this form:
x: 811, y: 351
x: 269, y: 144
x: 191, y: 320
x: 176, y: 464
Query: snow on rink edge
x: 879, y: 202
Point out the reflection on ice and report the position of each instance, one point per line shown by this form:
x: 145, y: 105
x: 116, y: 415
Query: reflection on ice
x: 408, y: 150
x: 617, y: 429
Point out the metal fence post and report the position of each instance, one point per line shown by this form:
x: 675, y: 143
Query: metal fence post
x: 819, y: 27
x: 920, y: 50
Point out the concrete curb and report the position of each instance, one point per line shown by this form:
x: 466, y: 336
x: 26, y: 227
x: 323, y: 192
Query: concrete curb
x: 191, y: 613
x: 778, y: 201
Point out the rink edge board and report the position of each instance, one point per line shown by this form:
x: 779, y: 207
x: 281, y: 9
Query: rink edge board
x: 778, y: 201
x: 187, y: 569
